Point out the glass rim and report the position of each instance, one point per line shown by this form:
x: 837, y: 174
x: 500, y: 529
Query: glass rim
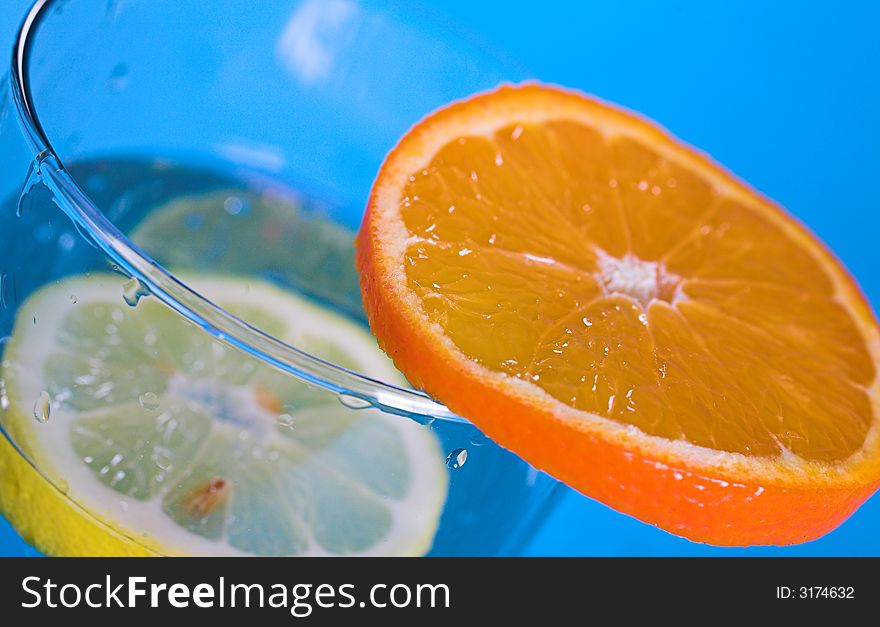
x: 168, y: 288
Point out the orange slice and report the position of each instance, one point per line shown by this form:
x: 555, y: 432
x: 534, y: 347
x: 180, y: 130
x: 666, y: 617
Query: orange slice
x: 625, y: 315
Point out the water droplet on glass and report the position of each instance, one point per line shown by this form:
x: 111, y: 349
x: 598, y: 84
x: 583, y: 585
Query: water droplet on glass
x: 43, y: 407
x: 456, y: 459
x: 285, y: 421
x: 149, y: 400
x: 32, y: 179
x: 354, y: 402
x: 73, y: 299
x: 161, y: 458
x: 235, y: 205
x: 425, y: 421
x: 132, y: 291
x: 118, y: 79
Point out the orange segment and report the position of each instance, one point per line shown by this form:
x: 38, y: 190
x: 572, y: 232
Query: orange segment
x: 676, y: 200
x: 493, y: 322
x: 736, y: 242
x: 625, y: 315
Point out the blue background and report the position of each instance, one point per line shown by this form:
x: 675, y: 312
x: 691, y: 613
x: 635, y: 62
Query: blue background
x: 785, y: 94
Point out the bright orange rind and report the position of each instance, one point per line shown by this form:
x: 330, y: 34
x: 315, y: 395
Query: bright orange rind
x: 625, y: 315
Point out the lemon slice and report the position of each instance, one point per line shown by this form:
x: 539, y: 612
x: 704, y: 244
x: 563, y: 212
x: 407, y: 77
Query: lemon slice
x: 191, y: 447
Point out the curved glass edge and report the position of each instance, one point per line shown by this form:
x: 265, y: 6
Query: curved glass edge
x: 162, y: 284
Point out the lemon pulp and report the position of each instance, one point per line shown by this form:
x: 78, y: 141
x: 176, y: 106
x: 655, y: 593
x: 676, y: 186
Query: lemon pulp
x: 188, y: 446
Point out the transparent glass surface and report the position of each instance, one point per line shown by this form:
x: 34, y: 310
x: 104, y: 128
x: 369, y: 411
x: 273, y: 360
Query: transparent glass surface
x: 184, y: 350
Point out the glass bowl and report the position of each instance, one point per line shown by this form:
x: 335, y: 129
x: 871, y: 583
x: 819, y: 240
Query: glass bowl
x: 194, y: 172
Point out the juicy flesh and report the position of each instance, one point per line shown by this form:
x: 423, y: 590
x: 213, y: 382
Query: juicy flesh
x: 625, y: 285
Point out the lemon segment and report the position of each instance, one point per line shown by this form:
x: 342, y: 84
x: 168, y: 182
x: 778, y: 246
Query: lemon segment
x: 165, y: 440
